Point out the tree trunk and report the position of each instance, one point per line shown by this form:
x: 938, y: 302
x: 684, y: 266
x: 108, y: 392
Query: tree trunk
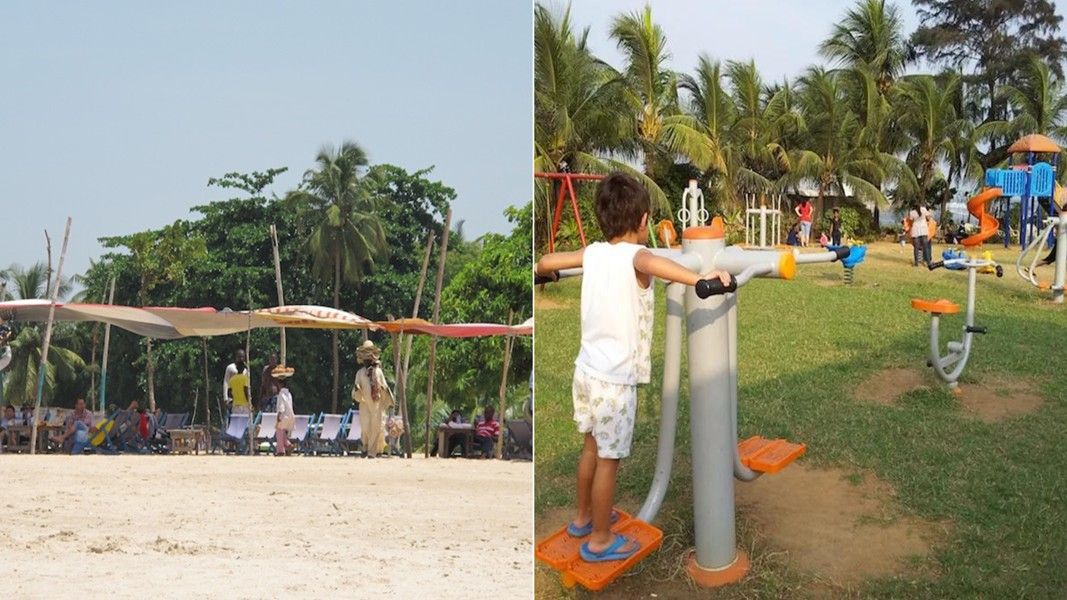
x: 333, y: 332
x: 151, y: 379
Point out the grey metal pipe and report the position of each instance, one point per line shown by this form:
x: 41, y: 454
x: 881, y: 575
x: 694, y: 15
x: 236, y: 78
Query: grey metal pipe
x: 1060, y: 278
x: 668, y: 424
x: 815, y: 257
x: 740, y: 470
x: 710, y: 426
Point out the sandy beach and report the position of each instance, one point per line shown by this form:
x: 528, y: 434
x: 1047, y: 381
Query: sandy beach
x: 262, y: 527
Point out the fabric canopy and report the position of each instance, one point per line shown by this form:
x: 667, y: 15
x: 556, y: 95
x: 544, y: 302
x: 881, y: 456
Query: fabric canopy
x: 172, y: 323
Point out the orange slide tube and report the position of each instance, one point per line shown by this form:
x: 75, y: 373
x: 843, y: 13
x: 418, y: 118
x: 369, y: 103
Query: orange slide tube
x: 987, y: 225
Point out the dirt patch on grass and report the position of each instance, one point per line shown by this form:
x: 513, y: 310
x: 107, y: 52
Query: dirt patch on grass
x: 997, y: 398
x: 546, y: 303
x: 887, y: 385
x: 841, y: 529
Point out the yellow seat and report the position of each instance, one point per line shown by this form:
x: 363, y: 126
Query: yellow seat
x: 937, y: 307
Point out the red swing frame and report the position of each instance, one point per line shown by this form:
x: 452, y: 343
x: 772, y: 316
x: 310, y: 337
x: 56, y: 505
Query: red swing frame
x: 566, y: 187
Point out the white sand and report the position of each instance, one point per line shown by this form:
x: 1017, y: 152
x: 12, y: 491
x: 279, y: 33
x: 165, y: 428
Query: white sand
x: 264, y: 527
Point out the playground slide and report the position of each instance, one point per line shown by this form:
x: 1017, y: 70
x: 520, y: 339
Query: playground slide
x: 987, y: 225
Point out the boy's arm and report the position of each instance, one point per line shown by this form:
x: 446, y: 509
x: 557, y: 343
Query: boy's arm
x: 665, y: 268
x: 557, y: 261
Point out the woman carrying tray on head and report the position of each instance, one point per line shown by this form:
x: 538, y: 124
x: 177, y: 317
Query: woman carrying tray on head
x: 374, y: 397
x: 286, y: 417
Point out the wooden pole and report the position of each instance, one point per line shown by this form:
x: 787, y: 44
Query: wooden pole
x: 107, y: 345
x: 47, y: 340
x: 436, y: 316
x: 207, y: 387
x: 398, y: 383
x: 278, y: 283
x: 402, y: 379
x: 248, y: 367
x: 508, y: 341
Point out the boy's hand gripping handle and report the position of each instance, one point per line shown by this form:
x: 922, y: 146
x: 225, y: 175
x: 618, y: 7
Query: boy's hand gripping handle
x: 707, y: 288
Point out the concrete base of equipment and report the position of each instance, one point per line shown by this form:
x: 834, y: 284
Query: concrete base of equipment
x: 717, y: 577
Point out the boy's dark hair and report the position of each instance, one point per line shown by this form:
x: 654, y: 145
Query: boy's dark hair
x: 835, y: 210
x: 11, y: 406
x: 489, y: 412
x: 621, y: 201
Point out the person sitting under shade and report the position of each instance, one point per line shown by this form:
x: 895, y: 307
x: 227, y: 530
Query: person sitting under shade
x: 486, y: 433
x: 77, y: 429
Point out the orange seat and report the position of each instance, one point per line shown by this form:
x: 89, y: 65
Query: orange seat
x: 561, y: 552
x: 768, y: 456
x: 1044, y: 285
x: 937, y: 307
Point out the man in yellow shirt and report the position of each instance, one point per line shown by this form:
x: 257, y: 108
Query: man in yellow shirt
x: 238, y: 389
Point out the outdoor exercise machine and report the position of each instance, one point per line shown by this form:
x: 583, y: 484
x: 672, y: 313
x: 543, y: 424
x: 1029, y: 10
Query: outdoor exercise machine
x: 566, y: 190
x: 949, y: 366
x: 757, y: 216
x: 692, y: 209
x: 709, y: 312
x: 1054, y: 228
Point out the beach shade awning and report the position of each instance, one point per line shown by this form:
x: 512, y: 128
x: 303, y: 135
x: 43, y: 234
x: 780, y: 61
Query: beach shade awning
x: 455, y: 330
x: 168, y: 323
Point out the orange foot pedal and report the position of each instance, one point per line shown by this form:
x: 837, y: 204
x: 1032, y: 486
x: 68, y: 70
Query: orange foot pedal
x: 561, y: 552
x: 768, y: 456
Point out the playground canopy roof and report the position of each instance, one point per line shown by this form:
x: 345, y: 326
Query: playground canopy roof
x: 172, y: 323
x: 1034, y: 142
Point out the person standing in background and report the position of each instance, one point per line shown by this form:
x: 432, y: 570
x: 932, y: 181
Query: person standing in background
x: 371, y: 389
x: 268, y: 385
x: 804, y: 210
x: 920, y: 234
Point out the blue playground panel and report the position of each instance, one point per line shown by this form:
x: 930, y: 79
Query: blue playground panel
x: 1042, y: 179
x: 1013, y: 182
x: 953, y: 255
x: 855, y: 256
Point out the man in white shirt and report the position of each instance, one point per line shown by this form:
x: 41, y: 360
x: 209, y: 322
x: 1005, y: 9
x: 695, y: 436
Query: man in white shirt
x: 231, y: 370
x: 920, y: 233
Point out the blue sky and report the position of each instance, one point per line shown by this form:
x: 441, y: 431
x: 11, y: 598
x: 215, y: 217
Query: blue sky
x: 117, y: 113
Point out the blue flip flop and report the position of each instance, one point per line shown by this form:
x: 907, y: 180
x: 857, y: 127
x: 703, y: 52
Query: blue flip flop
x: 612, y: 552
x: 578, y: 532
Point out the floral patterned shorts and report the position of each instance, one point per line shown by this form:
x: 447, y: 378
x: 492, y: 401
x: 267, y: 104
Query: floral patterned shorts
x: 607, y: 411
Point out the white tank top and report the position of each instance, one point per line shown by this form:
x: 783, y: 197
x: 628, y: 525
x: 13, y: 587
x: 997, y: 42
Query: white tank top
x: 616, y: 316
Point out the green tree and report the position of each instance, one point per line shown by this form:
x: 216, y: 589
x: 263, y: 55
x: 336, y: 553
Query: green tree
x: 64, y: 363
x: 1038, y: 101
x: 27, y: 283
x: 159, y: 258
x: 989, y: 42
x: 348, y: 236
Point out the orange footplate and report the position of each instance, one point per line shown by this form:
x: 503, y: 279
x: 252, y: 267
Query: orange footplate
x: 561, y: 552
x: 768, y: 456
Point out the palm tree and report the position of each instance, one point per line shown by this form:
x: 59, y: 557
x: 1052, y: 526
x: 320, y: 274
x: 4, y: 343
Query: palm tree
x: 578, y: 102
x: 20, y: 378
x: 832, y: 158
x: 31, y: 282
x: 1038, y: 101
x: 925, y: 108
x: 349, y: 235
x: 650, y: 90
x: 871, y: 35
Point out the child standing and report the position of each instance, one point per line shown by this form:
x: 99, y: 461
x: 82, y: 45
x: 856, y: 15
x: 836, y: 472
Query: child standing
x: 615, y: 353
x: 835, y: 227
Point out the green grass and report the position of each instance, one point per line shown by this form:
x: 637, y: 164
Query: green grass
x: 804, y: 346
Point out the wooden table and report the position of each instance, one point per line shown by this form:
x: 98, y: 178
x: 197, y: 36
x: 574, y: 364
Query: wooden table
x: 189, y: 439
x: 13, y: 435
x: 445, y: 431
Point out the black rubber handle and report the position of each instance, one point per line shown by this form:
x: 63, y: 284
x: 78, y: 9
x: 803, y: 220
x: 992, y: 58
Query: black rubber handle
x: 975, y: 329
x: 841, y: 253
x: 543, y: 279
x: 707, y: 288
x: 1000, y: 271
x: 936, y: 265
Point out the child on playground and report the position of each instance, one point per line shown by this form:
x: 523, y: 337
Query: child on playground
x: 615, y: 352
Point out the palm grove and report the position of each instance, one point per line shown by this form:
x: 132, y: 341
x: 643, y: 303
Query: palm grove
x: 352, y: 235
x: 866, y: 120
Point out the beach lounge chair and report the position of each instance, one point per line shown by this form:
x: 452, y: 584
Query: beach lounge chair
x: 299, y: 434
x: 268, y: 427
x: 161, y: 440
x: 326, y: 441
x: 518, y: 441
x: 236, y: 434
x: 355, y: 433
